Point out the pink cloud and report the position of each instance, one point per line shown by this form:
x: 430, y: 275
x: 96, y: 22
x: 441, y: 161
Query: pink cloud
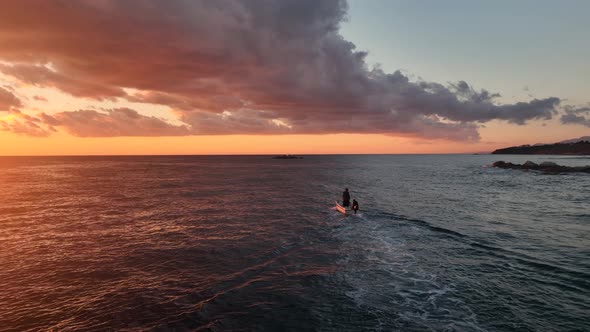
x: 232, y: 67
x: 8, y: 100
x: 91, y: 123
x: 113, y: 122
x: 44, y: 77
x: 39, y: 98
x: 26, y: 125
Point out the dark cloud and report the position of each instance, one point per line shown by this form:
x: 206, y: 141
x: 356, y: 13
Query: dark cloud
x: 574, y: 115
x: 234, y: 67
x: 8, y: 100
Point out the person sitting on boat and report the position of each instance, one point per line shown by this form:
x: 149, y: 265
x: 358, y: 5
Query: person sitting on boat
x: 355, y: 205
x: 345, y: 198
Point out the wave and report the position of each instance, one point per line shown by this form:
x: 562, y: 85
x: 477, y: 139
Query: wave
x: 573, y: 277
x: 422, y: 223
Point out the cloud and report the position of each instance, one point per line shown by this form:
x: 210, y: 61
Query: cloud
x: 113, y: 122
x: 574, y: 115
x: 42, y: 76
x: 8, y: 100
x: 234, y: 67
x: 90, y: 123
x: 26, y: 125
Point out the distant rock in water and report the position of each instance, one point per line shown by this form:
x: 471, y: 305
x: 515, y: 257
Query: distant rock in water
x: 287, y: 156
x: 576, y: 148
x: 547, y: 167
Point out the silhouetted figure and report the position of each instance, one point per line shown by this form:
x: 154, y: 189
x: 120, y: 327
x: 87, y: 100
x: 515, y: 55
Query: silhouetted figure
x: 345, y: 198
x: 355, y: 205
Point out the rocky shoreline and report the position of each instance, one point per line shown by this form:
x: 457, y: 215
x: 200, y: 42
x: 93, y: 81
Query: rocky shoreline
x: 546, y: 167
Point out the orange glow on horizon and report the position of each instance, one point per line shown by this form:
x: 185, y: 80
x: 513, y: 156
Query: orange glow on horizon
x: 56, y: 81
x: 14, y: 145
x: 494, y: 135
x: 218, y: 145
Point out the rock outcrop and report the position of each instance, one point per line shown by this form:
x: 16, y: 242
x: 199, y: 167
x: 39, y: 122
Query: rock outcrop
x: 546, y: 167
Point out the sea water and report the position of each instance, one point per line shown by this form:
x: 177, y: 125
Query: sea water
x: 441, y: 243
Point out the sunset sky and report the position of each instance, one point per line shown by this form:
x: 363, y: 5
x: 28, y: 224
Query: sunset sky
x: 293, y: 76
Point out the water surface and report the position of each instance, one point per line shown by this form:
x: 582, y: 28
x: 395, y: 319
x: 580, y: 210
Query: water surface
x: 442, y: 243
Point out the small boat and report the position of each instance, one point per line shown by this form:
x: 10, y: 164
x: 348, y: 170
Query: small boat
x: 287, y: 156
x: 341, y: 208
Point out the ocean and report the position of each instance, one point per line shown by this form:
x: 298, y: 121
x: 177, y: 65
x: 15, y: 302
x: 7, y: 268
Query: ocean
x: 251, y: 243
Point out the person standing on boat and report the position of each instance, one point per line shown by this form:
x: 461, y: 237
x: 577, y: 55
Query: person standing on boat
x: 355, y: 206
x: 345, y: 198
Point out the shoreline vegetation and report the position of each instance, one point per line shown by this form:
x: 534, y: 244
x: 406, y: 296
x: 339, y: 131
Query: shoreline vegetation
x: 579, y: 148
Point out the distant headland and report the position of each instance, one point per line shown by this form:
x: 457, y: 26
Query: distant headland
x: 575, y: 147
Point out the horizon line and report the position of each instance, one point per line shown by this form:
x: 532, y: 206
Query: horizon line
x: 243, y: 154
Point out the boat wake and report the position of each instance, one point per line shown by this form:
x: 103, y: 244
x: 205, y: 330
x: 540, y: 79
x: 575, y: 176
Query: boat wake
x: 392, y: 262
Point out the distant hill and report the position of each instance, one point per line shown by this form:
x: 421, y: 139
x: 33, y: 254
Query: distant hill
x: 580, y: 147
x: 575, y: 140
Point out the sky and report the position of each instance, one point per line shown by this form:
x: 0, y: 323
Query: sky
x: 292, y: 76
